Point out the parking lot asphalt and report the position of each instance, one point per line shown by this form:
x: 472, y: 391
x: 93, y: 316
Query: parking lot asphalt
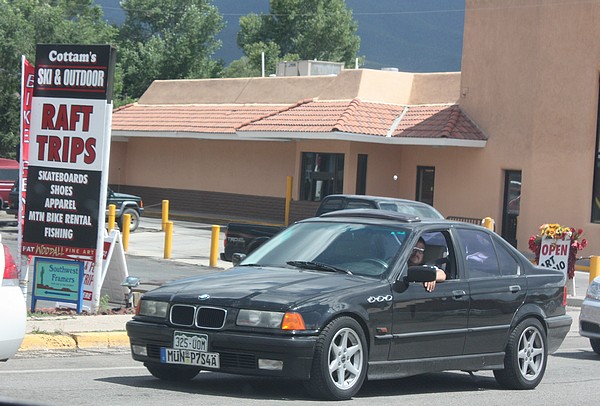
x: 191, y: 246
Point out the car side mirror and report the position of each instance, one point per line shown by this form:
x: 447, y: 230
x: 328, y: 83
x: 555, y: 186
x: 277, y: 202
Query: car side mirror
x: 237, y: 257
x: 420, y: 273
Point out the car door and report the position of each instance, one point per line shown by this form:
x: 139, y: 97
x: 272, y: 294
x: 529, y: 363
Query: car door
x: 497, y: 288
x: 431, y: 324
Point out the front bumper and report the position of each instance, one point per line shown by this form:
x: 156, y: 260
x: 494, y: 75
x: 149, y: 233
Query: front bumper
x: 589, y: 318
x: 238, y: 352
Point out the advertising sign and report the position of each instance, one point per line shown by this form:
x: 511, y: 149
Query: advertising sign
x: 69, y: 148
x: 554, y: 253
x: 57, y: 280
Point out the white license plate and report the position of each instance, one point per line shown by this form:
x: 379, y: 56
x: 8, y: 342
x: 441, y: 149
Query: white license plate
x: 184, y: 340
x: 187, y: 357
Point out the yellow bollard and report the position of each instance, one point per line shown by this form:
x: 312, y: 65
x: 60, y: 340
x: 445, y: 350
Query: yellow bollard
x: 488, y: 223
x: 288, y: 200
x: 168, y: 239
x: 165, y: 214
x: 125, y: 230
x: 111, y: 217
x: 214, y: 245
x: 594, y: 267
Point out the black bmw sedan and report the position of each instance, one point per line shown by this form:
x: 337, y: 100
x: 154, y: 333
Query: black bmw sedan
x: 332, y: 301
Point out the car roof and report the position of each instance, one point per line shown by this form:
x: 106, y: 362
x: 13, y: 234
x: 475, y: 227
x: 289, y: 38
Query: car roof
x: 373, y: 214
x: 431, y: 212
x: 375, y: 198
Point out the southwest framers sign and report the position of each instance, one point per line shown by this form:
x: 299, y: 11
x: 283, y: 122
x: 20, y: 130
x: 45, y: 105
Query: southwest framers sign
x: 69, y: 145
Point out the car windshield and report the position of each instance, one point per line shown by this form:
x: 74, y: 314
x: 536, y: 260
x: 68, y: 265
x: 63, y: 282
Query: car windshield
x: 422, y: 211
x: 356, y: 249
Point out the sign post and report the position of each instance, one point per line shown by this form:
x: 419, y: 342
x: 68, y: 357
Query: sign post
x: 67, y: 176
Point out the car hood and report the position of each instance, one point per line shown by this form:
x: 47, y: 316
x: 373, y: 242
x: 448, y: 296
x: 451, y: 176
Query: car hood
x: 258, y: 287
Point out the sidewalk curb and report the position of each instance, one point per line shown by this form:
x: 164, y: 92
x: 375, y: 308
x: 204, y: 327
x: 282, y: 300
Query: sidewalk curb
x: 73, y: 341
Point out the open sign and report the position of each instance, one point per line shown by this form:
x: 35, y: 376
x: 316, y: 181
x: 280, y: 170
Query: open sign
x: 555, y: 253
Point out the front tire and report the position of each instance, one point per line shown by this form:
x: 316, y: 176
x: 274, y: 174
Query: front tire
x: 595, y: 343
x: 340, y: 362
x: 171, y: 373
x: 526, y: 357
x: 135, y: 219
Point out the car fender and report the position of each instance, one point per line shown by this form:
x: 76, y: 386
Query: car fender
x: 529, y: 310
x: 355, y: 304
x: 124, y: 205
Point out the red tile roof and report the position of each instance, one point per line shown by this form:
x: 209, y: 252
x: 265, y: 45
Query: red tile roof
x: 351, y: 116
x: 211, y: 118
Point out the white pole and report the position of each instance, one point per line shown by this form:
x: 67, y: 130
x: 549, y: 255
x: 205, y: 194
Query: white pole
x: 356, y: 63
x: 262, y: 57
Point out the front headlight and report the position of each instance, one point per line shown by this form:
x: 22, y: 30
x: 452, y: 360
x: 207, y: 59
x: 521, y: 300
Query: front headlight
x: 153, y: 308
x: 593, y: 291
x: 258, y: 318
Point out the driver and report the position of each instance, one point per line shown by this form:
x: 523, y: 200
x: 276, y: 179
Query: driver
x: 416, y: 258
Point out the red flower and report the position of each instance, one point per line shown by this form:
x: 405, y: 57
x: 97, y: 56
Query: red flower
x: 576, y: 245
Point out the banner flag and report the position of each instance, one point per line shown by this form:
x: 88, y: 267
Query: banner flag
x: 27, y: 83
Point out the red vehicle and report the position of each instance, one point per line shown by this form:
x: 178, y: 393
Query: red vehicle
x: 9, y: 173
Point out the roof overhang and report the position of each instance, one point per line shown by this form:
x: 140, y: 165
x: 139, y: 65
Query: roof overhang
x: 370, y: 139
x: 123, y: 136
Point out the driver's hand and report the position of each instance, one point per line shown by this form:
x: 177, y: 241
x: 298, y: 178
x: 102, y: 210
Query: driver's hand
x: 429, y: 286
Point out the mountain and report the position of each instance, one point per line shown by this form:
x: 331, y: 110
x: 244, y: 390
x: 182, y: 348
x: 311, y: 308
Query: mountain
x: 411, y: 35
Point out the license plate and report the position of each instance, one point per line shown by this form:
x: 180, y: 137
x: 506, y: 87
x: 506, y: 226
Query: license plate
x: 183, y: 340
x: 187, y: 357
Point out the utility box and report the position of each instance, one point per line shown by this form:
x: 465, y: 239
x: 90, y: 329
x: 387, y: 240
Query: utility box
x: 309, y: 68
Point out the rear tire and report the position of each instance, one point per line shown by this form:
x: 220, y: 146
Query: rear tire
x: 340, y: 362
x: 135, y: 219
x: 526, y: 356
x: 171, y: 373
x: 595, y: 343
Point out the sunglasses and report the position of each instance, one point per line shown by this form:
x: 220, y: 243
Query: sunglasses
x: 417, y: 249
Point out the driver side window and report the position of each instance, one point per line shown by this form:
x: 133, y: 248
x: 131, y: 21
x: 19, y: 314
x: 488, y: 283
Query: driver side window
x: 439, y: 252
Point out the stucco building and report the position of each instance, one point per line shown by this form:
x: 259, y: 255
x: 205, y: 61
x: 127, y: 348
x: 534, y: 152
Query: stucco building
x: 513, y: 136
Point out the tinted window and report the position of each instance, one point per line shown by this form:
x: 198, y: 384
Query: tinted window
x: 422, y: 211
x: 359, y: 204
x: 508, y: 264
x: 479, y: 254
x: 328, y: 205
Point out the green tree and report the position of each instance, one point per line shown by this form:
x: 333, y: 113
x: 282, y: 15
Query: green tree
x: 25, y: 23
x: 304, y: 29
x: 167, y: 39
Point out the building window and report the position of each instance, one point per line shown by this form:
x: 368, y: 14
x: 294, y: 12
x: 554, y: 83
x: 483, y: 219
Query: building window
x: 425, y: 181
x: 361, y: 175
x: 511, y: 206
x: 322, y: 175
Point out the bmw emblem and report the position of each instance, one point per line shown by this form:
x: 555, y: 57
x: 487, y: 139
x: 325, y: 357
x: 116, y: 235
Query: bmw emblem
x: 204, y: 297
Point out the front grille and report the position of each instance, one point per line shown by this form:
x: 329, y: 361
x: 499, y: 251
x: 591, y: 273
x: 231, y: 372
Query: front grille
x: 182, y: 315
x: 210, y: 317
x: 591, y: 327
x: 201, y: 317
